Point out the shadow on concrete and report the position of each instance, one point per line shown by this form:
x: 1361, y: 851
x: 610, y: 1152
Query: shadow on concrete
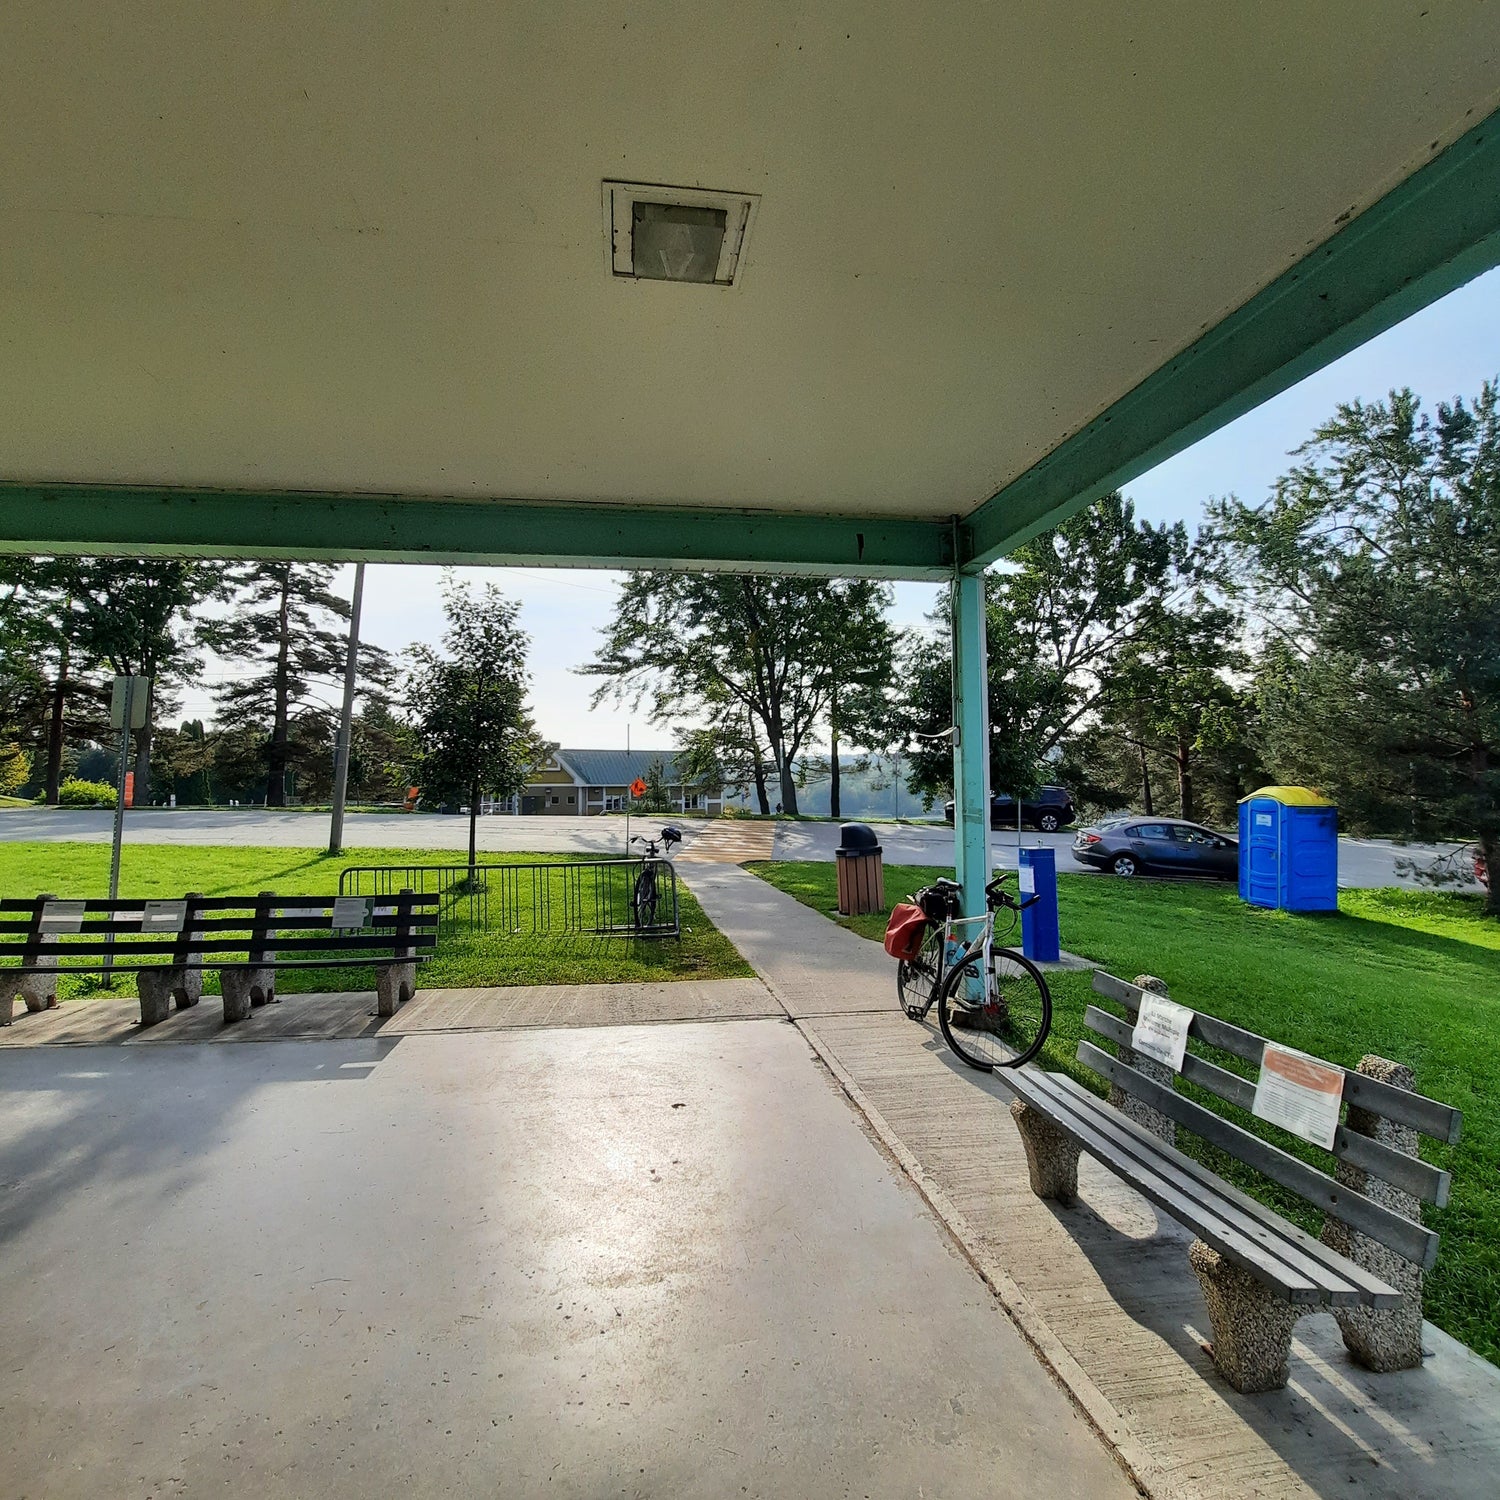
x: 59, y: 1138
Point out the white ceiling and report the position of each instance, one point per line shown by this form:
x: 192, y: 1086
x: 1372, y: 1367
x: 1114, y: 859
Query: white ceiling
x: 360, y: 246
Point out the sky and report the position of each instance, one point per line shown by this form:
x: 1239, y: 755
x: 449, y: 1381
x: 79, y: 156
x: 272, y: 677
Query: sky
x: 1447, y: 350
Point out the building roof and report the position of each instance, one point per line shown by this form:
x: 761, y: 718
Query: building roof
x: 615, y: 767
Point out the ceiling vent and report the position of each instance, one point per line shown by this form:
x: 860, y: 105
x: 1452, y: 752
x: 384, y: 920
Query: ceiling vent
x: 656, y: 233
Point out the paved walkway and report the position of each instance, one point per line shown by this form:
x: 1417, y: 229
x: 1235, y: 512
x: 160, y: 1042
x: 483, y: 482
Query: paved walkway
x: 637, y: 1261
x: 1103, y: 1289
x: 729, y: 841
x: 116, y: 1019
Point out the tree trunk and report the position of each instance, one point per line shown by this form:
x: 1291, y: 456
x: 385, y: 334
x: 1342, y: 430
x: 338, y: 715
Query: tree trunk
x: 143, y: 738
x: 788, y: 787
x: 760, y: 782
x: 55, y: 730
x: 1146, y: 804
x: 1184, y: 758
x: 833, y: 760
x: 276, y: 751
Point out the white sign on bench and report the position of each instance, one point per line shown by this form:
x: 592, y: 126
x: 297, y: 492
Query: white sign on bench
x: 62, y: 916
x: 1161, y: 1030
x: 352, y: 912
x: 163, y: 916
x: 1299, y: 1093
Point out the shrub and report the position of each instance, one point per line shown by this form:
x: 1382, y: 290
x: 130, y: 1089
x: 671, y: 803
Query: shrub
x: 85, y: 794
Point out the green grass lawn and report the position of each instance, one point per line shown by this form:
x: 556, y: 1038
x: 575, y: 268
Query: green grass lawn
x: 1411, y: 975
x: 466, y: 954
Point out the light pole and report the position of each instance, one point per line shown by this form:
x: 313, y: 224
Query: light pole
x: 346, y: 718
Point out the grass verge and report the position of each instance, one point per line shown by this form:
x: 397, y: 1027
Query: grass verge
x: 467, y: 954
x: 1412, y: 975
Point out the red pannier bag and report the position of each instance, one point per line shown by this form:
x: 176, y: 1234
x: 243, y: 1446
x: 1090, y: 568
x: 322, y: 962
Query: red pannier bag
x: 903, y: 933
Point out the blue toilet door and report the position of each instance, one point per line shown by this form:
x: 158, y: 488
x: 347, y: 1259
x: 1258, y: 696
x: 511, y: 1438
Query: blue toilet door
x: 1261, y: 853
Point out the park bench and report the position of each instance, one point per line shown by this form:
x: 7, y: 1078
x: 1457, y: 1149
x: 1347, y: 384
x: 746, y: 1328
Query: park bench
x: 1259, y: 1272
x: 169, y: 944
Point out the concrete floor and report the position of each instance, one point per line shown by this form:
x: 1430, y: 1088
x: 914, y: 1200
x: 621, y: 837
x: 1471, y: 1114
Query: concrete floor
x: 1362, y: 862
x: 659, y: 1260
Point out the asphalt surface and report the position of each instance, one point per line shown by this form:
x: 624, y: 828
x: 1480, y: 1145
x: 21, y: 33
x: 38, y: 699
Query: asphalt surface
x: 1362, y: 862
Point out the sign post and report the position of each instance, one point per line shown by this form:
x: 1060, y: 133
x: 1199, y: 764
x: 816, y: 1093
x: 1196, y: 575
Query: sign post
x: 128, y: 702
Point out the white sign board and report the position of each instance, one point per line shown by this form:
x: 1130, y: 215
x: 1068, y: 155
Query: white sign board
x: 352, y: 911
x: 1028, y: 881
x: 1161, y: 1030
x: 1299, y: 1093
x: 163, y: 916
x: 62, y: 916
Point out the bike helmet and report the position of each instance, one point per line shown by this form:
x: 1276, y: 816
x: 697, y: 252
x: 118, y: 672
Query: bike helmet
x: 670, y: 836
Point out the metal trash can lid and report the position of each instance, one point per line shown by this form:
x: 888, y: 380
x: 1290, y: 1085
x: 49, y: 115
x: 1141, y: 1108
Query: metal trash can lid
x: 858, y: 838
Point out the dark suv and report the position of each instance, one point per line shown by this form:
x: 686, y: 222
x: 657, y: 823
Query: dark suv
x: 1049, y: 810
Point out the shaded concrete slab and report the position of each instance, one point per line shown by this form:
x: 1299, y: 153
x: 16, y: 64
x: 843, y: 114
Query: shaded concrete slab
x: 116, y: 1019
x: 645, y: 1261
x: 1103, y: 1289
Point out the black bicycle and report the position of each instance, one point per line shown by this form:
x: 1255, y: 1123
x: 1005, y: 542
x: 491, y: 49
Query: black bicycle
x: 994, y: 1007
x: 646, y: 889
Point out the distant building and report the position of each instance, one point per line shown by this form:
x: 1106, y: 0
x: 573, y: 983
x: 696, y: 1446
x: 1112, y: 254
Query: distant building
x: 577, y: 782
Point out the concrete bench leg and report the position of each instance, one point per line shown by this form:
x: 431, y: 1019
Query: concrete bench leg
x: 1051, y: 1154
x: 1378, y: 1339
x: 395, y: 984
x: 37, y: 991
x: 1252, y: 1325
x: 158, y: 988
x: 244, y: 988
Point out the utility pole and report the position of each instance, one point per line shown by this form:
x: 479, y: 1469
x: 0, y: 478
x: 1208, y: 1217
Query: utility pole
x: 127, y: 703
x: 346, y: 718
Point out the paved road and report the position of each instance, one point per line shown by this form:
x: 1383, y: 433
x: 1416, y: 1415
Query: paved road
x: 1362, y: 862
x: 640, y: 1261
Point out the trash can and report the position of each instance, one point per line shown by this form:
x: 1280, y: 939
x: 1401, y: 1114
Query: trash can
x: 1289, y: 849
x: 860, y: 871
x: 1041, y: 938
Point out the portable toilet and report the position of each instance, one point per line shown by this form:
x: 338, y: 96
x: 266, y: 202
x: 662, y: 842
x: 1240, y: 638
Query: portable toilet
x: 1289, y: 849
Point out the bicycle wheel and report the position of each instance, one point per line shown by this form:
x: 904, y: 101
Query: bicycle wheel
x: 998, y: 1019
x: 917, y: 978
x: 644, y: 899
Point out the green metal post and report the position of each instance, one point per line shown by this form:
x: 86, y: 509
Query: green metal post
x: 971, y: 742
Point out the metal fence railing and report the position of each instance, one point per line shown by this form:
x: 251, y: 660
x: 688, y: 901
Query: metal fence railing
x: 600, y: 897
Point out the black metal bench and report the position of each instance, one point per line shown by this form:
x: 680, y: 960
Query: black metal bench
x: 168, y: 945
x: 1259, y: 1272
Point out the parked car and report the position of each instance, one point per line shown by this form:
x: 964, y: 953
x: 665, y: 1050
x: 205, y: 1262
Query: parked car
x: 1158, y: 846
x: 1051, y: 809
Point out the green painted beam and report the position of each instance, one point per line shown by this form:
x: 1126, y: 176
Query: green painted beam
x: 1438, y: 229
x: 120, y: 521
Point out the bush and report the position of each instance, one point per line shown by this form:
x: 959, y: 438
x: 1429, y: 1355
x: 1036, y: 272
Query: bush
x: 77, y: 793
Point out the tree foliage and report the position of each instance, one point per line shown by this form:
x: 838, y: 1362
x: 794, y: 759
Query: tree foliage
x: 472, y: 727
x: 750, y: 660
x: 291, y: 630
x: 1057, y: 617
x: 1375, y: 568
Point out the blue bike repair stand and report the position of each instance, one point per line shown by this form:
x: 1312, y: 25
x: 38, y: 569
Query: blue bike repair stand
x: 1040, y: 936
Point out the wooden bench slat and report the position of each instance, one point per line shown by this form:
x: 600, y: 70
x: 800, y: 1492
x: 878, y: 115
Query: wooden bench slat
x: 1409, y: 1173
x: 1256, y: 1254
x: 1417, y: 1243
x: 1308, y: 1252
x: 1441, y: 1122
x: 228, y: 946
